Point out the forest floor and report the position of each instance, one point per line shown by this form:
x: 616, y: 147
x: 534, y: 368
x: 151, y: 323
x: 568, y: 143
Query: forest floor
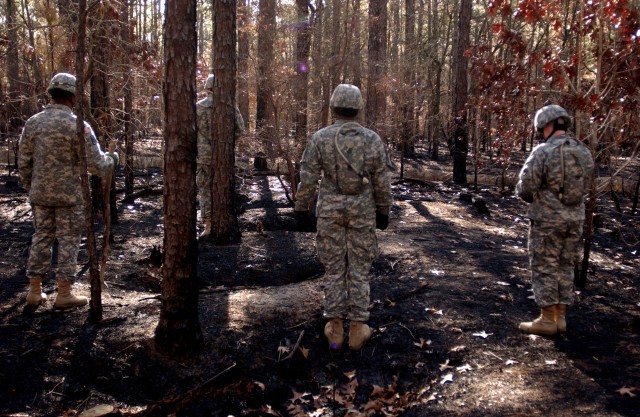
x: 448, y: 290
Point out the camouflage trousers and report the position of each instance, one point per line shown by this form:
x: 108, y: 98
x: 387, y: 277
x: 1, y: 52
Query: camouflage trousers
x: 346, y: 247
x: 553, y: 251
x: 62, y: 223
x: 203, y: 181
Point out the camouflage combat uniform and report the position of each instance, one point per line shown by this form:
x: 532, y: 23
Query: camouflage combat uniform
x: 50, y: 171
x: 203, y: 174
x: 556, y: 229
x: 346, y: 239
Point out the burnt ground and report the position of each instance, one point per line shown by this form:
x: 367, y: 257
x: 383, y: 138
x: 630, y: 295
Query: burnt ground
x: 448, y: 291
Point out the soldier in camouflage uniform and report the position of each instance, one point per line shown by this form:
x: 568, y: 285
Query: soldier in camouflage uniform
x: 50, y: 171
x: 203, y: 174
x: 353, y: 168
x: 556, y: 223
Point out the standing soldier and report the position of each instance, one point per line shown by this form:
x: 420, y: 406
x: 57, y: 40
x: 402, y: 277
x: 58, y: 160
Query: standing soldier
x: 50, y: 171
x: 554, y: 179
x: 204, y: 169
x: 352, y: 166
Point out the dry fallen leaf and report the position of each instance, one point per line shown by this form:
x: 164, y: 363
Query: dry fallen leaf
x: 506, y: 284
x: 627, y: 391
x: 299, y: 396
x: 434, y: 312
x: 377, y: 391
x: 482, y: 334
x: 455, y: 330
x: 446, y: 378
x: 266, y: 409
x: 350, y: 374
x: 458, y: 348
x: 510, y: 362
x: 423, y: 344
x: 464, y: 368
x: 445, y: 365
x: 305, y: 352
x: 550, y: 362
x: 282, y: 350
x: 390, y: 303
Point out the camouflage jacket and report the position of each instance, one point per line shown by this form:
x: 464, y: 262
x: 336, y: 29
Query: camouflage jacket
x: 538, y: 183
x: 320, y: 161
x: 203, y: 109
x: 48, y: 164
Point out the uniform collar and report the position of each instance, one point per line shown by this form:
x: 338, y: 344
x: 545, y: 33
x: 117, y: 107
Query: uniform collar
x: 59, y: 107
x: 343, y: 121
x: 558, y: 138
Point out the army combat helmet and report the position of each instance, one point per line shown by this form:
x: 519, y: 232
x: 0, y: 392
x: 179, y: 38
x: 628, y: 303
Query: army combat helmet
x: 552, y: 113
x: 63, y: 81
x: 208, y: 85
x: 346, y: 96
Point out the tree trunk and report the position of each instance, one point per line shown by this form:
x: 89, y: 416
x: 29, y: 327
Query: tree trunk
x: 225, y: 221
x: 460, y: 96
x: 128, y: 100
x: 178, y: 331
x: 36, y: 84
x: 243, y: 59
x: 95, y: 303
x: 335, y: 58
x: 376, y: 109
x: 408, y: 104
x: 264, y: 114
x: 100, y: 100
x: 13, y: 67
x: 303, y: 43
x: 325, y: 71
x: 356, y: 47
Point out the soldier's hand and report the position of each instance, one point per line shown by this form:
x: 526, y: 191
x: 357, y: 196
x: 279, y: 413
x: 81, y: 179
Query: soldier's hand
x: 115, y: 157
x: 305, y: 221
x: 382, y: 220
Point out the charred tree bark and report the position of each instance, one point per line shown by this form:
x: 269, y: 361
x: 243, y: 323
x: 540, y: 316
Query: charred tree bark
x: 128, y: 100
x: 178, y: 331
x: 95, y: 304
x: 408, y: 104
x: 460, y: 96
x: 303, y: 44
x: 226, y: 228
x: 264, y: 114
x: 243, y: 59
x: 13, y: 67
x: 376, y: 109
x: 100, y: 100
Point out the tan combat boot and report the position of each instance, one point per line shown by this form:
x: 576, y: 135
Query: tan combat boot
x: 544, y: 325
x: 560, y: 317
x: 359, y: 333
x: 334, y: 332
x: 207, y: 228
x: 35, y: 296
x: 65, y: 299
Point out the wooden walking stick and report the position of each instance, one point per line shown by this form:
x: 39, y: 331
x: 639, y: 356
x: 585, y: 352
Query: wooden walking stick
x: 106, y: 191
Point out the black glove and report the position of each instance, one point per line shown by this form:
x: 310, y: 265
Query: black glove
x: 305, y: 221
x: 382, y: 220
